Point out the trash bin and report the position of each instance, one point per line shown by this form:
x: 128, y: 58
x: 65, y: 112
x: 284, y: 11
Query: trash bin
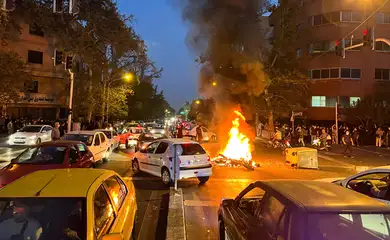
x: 302, y: 157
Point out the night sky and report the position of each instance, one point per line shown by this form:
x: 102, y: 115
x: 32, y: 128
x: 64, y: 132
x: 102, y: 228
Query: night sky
x: 162, y: 28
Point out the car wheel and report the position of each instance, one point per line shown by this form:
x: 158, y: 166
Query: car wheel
x: 214, y: 138
x: 106, y: 156
x: 221, y: 229
x: 93, y: 165
x: 203, y: 179
x: 38, y: 141
x: 135, y: 166
x: 166, y: 176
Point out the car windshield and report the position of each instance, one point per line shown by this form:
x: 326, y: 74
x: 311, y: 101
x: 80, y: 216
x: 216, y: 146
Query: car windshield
x: 85, y: 138
x: 151, y: 137
x: 42, y: 155
x: 191, y: 149
x: 45, y: 219
x: 332, y: 226
x: 30, y: 129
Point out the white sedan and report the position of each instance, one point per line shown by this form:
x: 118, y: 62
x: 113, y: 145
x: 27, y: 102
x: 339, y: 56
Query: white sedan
x: 373, y: 183
x: 31, y: 135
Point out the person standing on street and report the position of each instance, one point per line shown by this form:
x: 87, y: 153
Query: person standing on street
x: 55, y: 133
x: 62, y: 129
x: 347, y: 142
x: 378, y: 137
x: 199, y: 134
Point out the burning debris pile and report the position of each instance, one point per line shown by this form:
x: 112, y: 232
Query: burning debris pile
x: 238, y: 150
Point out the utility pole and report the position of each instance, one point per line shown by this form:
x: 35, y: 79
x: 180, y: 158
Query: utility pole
x: 70, y: 100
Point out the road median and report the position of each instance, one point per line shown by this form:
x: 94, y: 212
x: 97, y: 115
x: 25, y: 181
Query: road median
x: 176, y: 223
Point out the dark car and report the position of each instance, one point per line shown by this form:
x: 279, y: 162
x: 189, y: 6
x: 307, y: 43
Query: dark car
x: 302, y: 210
x: 49, y: 155
x: 145, y: 138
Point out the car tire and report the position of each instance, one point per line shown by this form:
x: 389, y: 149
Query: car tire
x: 93, y: 165
x: 203, y: 180
x: 213, y: 138
x: 166, y: 177
x: 38, y: 141
x: 106, y: 156
x: 135, y: 166
x: 221, y: 230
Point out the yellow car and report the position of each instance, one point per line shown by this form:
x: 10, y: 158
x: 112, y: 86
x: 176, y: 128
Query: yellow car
x: 65, y: 204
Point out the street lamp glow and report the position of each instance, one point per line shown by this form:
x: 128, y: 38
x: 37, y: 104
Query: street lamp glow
x: 214, y: 84
x: 197, y: 102
x: 128, y: 76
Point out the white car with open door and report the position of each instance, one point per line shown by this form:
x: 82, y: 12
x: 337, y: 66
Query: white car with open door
x: 374, y: 183
x: 206, y: 134
x: 97, y: 143
x: 157, y: 159
x: 31, y: 135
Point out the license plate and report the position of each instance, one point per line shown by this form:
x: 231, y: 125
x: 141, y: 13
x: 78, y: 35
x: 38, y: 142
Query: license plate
x: 20, y: 142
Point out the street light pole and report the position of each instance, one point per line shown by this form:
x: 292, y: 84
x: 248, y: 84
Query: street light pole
x: 70, y: 101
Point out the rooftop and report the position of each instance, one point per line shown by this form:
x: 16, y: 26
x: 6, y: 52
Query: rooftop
x: 54, y: 183
x: 316, y: 196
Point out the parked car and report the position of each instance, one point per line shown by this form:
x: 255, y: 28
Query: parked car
x: 31, y: 135
x: 158, y: 130
x: 373, y: 183
x: 96, y: 141
x: 50, y: 155
x: 112, y: 136
x: 146, y: 138
x: 68, y: 204
x: 304, y: 210
x: 156, y: 159
x: 206, y: 134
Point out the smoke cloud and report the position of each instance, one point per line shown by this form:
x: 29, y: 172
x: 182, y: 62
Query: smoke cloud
x: 227, y: 36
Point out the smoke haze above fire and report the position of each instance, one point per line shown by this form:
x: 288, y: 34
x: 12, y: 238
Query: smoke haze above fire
x: 227, y: 36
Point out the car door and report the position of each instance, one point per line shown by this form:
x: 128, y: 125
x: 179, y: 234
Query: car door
x: 242, y: 214
x: 123, y: 205
x: 45, y: 133
x: 97, y: 148
x: 159, y: 158
x: 105, y: 144
x: 85, y: 157
x: 147, y: 157
x: 74, y: 161
x: 205, y: 134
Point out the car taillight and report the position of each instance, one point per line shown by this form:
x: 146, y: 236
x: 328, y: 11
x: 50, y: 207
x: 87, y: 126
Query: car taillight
x: 208, y: 159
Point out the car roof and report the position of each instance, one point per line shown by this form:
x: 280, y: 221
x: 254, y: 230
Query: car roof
x: 384, y: 168
x: 315, y: 196
x: 38, y: 125
x: 60, y: 143
x: 91, y: 132
x: 178, y: 140
x: 54, y: 183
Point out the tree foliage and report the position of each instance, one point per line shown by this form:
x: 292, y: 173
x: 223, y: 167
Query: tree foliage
x: 147, y: 102
x: 202, y: 111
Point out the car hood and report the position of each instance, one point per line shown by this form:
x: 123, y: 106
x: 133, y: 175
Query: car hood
x: 25, y: 134
x: 12, y: 171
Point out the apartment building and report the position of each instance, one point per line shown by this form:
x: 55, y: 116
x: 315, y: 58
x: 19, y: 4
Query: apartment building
x: 321, y: 25
x: 46, y: 95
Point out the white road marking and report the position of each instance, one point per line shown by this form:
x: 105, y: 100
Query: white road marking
x: 150, y: 220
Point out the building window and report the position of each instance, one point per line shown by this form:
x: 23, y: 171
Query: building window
x: 350, y: 73
x: 318, y: 101
x: 347, y: 16
x: 299, y: 52
x: 325, y: 18
x: 383, y: 18
x: 382, y: 47
x: 320, y: 47
x: 354, y: 41
x: 31, y: 86
x: 35, y: 57
x: 353, y: 101
x: 326, y: 73
x: 34, y: 29
x: 382, y: 74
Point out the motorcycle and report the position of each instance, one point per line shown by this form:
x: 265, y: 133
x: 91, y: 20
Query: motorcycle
x: 317, y: 145
x: 279, y: 144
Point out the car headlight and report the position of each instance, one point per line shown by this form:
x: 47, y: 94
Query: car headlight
x: 163, y: 132
x: 32, y: 137
x: 153, y: 131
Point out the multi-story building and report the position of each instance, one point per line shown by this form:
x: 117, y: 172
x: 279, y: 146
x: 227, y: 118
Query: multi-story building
x: 46, y: 95
x: 322, y: 24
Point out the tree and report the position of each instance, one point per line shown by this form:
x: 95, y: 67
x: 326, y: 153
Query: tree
x: 202, y: 111
x: 13, y: 74
x: 147, y: 102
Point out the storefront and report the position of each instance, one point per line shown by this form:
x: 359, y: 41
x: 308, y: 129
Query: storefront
x: 37, y: 105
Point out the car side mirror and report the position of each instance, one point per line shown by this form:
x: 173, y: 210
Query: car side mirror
x: 113, y: 236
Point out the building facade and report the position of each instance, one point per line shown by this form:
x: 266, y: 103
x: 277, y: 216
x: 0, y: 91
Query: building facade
x: 323, y: 24
x: 45, y: 96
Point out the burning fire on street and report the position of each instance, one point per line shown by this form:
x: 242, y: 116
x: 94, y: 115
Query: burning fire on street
x: 238, y: 150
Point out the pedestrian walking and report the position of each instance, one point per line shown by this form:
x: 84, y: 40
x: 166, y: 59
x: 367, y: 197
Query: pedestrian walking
x: 347, y: 142
x: 199, y: 134
x: 355, y: 137
x: 378, y: 137
x: 55, y: 133
x: 10, y: 127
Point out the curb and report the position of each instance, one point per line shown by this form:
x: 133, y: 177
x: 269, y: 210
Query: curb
x: 176, y: 225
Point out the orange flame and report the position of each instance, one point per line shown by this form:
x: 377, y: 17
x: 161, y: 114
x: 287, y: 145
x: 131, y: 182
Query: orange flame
x: 238, y: 146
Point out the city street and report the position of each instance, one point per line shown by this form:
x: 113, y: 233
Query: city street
x: 201, y: 201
